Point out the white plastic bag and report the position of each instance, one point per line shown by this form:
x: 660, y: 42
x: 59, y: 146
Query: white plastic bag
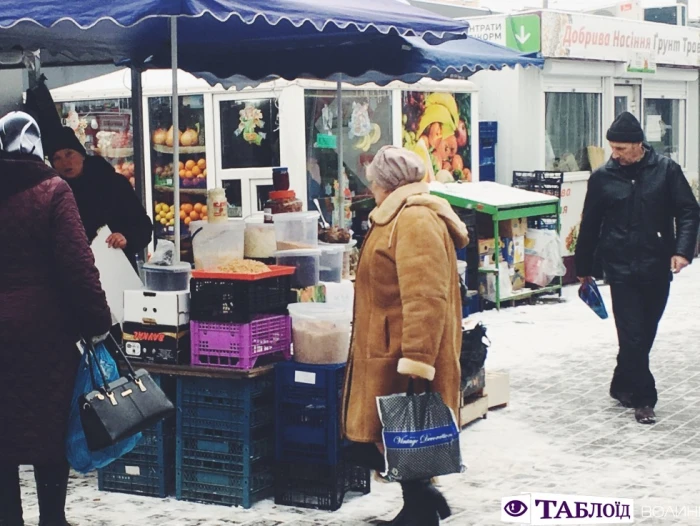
x: 543, y: 258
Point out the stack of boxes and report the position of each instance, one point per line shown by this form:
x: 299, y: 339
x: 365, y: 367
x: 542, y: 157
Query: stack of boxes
x: 505, y: 255
x: 311, y: 471
x: 225, y: 427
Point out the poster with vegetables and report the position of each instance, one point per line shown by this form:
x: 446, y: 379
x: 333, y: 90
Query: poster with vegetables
x: 436, y: 126
x: 250, y: 133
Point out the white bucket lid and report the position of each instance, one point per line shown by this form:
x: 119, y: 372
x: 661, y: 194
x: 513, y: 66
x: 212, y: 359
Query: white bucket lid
x: 296, y: 216
x: 322, y: 311
x: 302, y: 252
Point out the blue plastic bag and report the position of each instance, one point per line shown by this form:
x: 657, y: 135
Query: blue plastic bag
x: 591, y: 296
x: 79, y: 456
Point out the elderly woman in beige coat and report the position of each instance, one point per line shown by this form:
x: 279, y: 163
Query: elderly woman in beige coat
x: 407, y: 314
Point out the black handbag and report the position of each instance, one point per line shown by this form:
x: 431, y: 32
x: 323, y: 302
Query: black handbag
x: 120, y: 409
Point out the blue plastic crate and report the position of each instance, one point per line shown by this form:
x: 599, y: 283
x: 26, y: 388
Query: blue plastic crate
x: 307, y: 413
x: 318, y: 487
x: 229, y: 489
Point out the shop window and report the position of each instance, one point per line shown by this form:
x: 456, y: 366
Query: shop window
x: 664, y: 128
x: 250, y: 133
x: 572, y: 126
x: 436, y: 126
x: 366, y: 119
x: 234, y: 196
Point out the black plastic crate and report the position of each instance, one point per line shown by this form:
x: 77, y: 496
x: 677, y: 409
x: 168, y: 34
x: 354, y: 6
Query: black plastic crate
x: 238, y: 301
x: 316, y: 486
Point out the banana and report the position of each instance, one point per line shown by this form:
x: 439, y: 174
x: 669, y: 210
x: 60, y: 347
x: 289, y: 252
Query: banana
x: 437, y: 113
x: 360, y: 144
x: 375, y: 134
x: 447, y: 100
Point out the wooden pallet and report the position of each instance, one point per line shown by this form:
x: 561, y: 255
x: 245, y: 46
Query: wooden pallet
x: 474, y: 409
x: 497, y: 389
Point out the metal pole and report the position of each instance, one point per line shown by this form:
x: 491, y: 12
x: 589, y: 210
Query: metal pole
x: 176, y: 136
x: 137, y: 130
x: 341, y: 179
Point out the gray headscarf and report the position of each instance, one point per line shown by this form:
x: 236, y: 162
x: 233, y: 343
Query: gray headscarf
x: 393, y: 167
x: 19, y: 134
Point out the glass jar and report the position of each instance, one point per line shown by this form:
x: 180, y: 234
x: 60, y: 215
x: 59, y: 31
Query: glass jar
x: 280, y: 179
x: 282, y: 202
x: 217, y: 206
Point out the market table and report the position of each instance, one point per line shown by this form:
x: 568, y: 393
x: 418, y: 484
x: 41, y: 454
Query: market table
x: 502, y: 203
x: 203, y: 372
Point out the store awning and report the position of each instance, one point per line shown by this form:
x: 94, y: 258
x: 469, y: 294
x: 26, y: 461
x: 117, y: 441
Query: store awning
x: 210, y: 31
x: 407, y: 59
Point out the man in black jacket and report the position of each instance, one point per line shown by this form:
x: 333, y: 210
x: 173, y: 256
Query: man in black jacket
x: 641, y: 216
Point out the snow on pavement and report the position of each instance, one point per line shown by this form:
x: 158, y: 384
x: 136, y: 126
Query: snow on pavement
x: 561, y: 432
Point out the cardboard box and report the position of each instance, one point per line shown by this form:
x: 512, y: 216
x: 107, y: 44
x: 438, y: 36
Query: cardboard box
x: 164, y: 344
x: 487, y: 252
x: 497, y: 388
x: 508, y: 250
x: 518, y: 276
x: 315, y: 294
x: 518, y: 250
x: 513, y: 227
x: 157, y: 308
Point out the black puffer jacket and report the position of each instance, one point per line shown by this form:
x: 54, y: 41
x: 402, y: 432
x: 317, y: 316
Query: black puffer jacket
x: 106, y: 198
x: 637, y: 219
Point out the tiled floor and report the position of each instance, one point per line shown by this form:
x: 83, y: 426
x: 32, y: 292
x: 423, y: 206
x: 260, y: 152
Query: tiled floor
x: 560, y: 434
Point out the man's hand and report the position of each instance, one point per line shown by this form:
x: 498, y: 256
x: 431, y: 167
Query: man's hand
x: 678, y: 263
x: 116, y: 241
x: 585, y: 279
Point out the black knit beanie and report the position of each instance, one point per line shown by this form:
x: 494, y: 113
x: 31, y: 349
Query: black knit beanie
x: 65, y: 139
x: 626, y: 129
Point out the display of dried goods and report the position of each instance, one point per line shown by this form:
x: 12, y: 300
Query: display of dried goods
x: 243, y: 266
x: 334, y: 234
x: 320, y: 342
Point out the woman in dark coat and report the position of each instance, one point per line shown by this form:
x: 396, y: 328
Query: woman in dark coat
x: 104, y: 197
x: 50, y: 296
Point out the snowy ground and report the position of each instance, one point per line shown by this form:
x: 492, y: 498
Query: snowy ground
x: 560, y: 434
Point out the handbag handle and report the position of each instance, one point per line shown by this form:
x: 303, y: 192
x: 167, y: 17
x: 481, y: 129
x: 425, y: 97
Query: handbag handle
x: 90, y: 352
x: 410, y: 391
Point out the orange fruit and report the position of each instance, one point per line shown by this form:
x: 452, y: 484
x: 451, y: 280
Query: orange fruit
x: 190, y: 164
x: 183, y: 215
x: 182, y: 173
x: 187, y: 208
x: 202, y: 163
x: 181, y: 166
x: 194, y: 216
x: 187, y: 220
x: 204, y: 172
x: 205, y: 218
x: 196, y: 171
x: 198, y: 208
x: 204, y: 210
x: 188, y: 175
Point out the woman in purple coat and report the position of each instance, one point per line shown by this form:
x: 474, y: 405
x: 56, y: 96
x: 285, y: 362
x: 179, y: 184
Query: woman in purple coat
x: 50, y: 296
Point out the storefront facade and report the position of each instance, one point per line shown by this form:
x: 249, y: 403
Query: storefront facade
x: 596, y: 67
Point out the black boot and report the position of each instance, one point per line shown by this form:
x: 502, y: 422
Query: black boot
x: 424, y: 505
x: 51, y: 490
x: 10, y: 497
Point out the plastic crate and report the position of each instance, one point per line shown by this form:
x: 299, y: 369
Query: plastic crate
x: 230, y: 301
x: 241, y: 346
x: 318, y: 487
x: 222, y: 408
x: 307, y: 413
x: 218, y: 487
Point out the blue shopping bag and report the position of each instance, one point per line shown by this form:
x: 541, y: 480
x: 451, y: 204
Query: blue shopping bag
x: 590, y: 294
x: 78, y: 454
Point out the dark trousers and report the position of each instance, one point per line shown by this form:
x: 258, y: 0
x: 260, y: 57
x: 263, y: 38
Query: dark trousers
x: 51, y: 488
x: 638, y: 308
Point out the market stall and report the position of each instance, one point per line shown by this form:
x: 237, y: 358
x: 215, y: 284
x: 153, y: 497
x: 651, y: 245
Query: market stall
x: 595, y: 68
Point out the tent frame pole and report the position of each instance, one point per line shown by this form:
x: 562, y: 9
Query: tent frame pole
x: 176, y: 136
x: 341, y: 179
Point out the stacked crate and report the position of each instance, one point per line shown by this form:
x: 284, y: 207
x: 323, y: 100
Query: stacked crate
x: 225, y: 427
x: 149, y: 469
x: 311, y: 471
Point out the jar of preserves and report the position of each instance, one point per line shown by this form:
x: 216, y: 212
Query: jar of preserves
x: 280, y: 179
x: 217, y: 206
x: 282, y: 202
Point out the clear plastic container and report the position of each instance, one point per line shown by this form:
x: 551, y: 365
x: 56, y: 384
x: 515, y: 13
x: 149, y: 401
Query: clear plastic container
x: 321, y: 333
x: 307, y: 262
x: 296, y: 230
x: 217, y: 245
x: 260, y: 239
x: 331, y: 263
x: 462, y: 270
x: 167, y: 278
x: 348, y: 249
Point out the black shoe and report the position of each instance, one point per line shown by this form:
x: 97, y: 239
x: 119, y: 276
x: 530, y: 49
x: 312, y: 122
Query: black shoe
x: 424, y: 505
x: 51, y: 490
x: 625, y: 399
x: 645, y: 415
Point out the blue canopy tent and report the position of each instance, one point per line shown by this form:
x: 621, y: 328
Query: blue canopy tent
x: 210, y: 32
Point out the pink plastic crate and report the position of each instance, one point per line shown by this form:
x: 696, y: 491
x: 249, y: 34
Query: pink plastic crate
x: 241, y: 346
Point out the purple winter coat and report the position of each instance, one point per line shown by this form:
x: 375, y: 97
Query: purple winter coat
x: 50, y: 294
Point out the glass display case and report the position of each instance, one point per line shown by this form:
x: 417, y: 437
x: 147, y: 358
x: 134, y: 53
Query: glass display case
x: 104, y: 127
x: 192, y: 168
x: 366, y: 117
